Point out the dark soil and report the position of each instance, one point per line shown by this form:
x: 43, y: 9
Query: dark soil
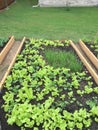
x: 1, y: 49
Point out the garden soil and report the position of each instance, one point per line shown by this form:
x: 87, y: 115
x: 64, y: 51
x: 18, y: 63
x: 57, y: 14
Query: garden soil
x: 3, y: 68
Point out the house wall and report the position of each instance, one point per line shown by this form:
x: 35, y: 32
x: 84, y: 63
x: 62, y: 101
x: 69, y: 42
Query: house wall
x: 61, y: 3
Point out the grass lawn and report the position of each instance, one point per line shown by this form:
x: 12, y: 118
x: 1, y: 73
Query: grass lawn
x: 48, y: 23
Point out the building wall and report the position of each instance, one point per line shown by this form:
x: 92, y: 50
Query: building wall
x: 61, y: 3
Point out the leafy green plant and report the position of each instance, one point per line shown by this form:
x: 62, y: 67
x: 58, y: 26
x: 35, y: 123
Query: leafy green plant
x: 3, y: 41
x: 96, y: 90
x: 8, y: 97
x: 80, y: 92
x: 88, y: 89
x: 94, y: 112
x: 92, y: 103
x: 75, y: 81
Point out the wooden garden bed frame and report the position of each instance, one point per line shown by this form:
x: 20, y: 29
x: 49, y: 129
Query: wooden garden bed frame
x: 11, y: 64
x: 92, y: 58
x: 6, y: 49
x: 89, y: 54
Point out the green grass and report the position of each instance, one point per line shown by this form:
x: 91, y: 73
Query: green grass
x: 48, y: 23
x: 63, y: 59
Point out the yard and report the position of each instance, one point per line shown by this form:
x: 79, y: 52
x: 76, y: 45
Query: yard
x: 21, y: 19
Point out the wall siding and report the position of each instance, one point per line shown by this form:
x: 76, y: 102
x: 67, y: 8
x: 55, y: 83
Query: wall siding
x: 61, y: 3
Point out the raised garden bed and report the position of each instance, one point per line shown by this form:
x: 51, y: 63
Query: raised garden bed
x: 5, y: 48
x: 38, y: 96
x: 90, y: 54
x: 88, y: 58
x: 9, y: 61
x: 92, y: 45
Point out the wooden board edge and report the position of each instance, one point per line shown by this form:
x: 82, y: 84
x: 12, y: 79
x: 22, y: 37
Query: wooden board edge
x: 6, y: 49
x: 89, y: 54
x: 87, y: 65
x: 11, y: 64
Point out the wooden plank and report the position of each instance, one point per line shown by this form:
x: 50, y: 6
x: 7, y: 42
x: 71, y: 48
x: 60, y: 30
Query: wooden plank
x: 89, y: 54
x: 11, y: 64
x: 3, y: 4
x: 6, y: 49
x: 87, y: 65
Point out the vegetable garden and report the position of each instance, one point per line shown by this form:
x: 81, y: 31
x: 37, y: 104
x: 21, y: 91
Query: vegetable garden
x: 39, y: 96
